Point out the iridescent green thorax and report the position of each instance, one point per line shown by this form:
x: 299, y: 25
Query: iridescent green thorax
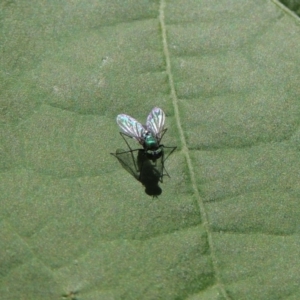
x: 150, y: 142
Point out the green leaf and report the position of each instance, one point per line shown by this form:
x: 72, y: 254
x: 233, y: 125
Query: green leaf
x: 74, y: 224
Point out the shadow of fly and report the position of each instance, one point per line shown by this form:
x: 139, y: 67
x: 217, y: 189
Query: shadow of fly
x: 145, y: 164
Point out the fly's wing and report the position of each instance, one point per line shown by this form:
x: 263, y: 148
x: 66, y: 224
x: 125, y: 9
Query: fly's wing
x: 131, y: 127
x: 156, y: 121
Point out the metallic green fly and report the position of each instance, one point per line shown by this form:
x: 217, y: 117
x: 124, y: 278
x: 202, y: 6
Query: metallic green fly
x: 149, y: 137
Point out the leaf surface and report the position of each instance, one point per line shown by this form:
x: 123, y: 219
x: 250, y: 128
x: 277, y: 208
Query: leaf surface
x: 75, y: 225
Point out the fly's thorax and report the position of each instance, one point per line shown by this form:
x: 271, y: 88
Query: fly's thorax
x: 150, y: 142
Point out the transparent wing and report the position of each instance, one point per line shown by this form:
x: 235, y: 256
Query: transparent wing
x: 156, y: 121
x: 131, y: 127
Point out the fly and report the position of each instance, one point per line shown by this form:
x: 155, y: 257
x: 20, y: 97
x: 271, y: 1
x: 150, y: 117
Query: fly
x: 148, y: 136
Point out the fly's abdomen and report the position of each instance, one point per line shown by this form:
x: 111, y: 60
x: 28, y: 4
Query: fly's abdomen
x: 154, y: 154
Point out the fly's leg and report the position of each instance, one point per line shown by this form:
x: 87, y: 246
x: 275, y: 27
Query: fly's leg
x: 164, y: 159
x: 127, y: 161
x: 131, y: 151
x: 163, y: 133
x: 173, y: 149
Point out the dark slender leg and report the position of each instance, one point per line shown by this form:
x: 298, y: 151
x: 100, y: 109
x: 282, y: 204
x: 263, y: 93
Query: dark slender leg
x: 163, y: 133
x: 165, y: 158
x: 131, y: 151
x: 173, y: 149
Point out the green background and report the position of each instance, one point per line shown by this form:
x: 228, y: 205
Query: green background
x: 75, y: 225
